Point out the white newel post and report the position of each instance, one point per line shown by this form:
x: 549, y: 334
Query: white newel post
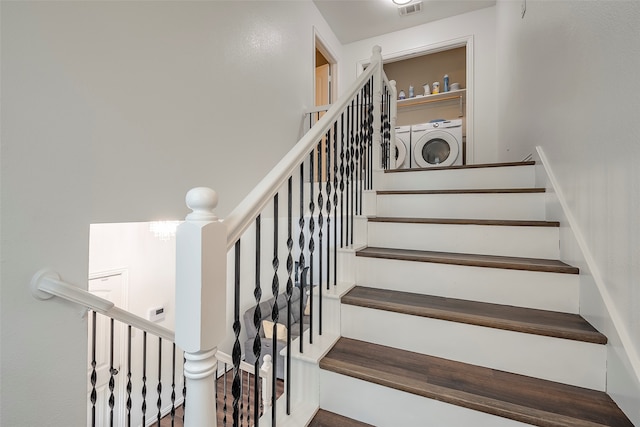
x: 201, y: 260
x: 392, y: 120
x: 378, y: 82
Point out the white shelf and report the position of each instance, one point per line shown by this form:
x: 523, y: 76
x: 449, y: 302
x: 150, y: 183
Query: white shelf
x: 425, y: 99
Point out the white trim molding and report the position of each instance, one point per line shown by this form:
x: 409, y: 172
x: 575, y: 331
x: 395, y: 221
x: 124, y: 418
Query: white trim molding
x: 616, y: 320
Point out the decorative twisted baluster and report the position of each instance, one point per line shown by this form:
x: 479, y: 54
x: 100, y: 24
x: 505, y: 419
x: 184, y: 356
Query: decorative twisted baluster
x: 361, y: 145
x: 320, y: 225
x: 328, y: 206
x: 173, y: 385
x: 257, y: 317
x: 335, y: 203
x: 351, y: 174
x: 289, y: 286
x: 112, y: 374
x: 224, y: 396
x: 348, y: 170
x: 129, y: 383
x: 94, y: 374
x: 144, y: 377
x: 342, y: 176
x: 236, y: 353
x: 184, y: 393
x: 301, y: 242
x: 356, y: 156
x: 275, y: 313
x: 312, y: 245
x: 159, y: 388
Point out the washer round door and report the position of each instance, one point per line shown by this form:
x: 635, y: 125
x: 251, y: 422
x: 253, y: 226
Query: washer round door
x: 401, y: 153
x: 437, y: 148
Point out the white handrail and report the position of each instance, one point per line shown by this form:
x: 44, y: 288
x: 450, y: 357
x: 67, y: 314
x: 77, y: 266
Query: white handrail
x: 318, y: 109
x: 243, y: 215
x: 46, y: 284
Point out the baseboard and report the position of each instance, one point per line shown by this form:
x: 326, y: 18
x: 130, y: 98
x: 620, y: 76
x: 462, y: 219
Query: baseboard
x: 596, y: 303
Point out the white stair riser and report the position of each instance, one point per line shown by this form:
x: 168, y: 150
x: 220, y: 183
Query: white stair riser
x: 372, y: 403
x: 527, y: 206
x: 541, y: 242
x: 498, y: 177
x: 566, y: 361
x: 532, y: 289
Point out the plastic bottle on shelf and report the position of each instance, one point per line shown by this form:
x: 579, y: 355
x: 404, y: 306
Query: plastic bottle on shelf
x: 411, y: 91
x: 446, y: 83
x: 401, y: 95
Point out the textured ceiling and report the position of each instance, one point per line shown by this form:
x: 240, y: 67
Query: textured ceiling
x: 353, y: 20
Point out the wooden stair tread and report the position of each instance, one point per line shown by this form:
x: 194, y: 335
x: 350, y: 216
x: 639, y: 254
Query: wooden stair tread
x: 462, y: 191
x: 506, y: 317
x: 329, y: 419
x: 475, y: 166
x: 526, y: 399
x: 475, y: 260
x: 457, y: 221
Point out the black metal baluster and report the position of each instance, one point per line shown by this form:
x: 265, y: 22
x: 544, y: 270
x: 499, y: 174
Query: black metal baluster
x: 328, y: 206
x: 335, y: 203
x: 312, y: 245
x: 224, y: 394
x: 361, y: 178
x: 352, y: 175
x: 320, y: 224
x: 236, y: 353
x: 289, y: 287
x: 159, y: 403
x: 275, y: 313
x: 358, y: 139
x: 348, y: 167
x: 257, y: 316
x: 94, y: 374
x: 112, y: 374
x: 184, y: 392
x: 173, y: 385
x: 144, y: 377
x: 301, y: 242
x: 342, y: 177
x: 129, y: 384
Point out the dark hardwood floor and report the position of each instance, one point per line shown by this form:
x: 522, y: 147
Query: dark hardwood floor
x: 247, y: 402
x: 473, y: 166
x: 329, y: 419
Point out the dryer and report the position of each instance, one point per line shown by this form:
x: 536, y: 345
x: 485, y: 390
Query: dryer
x: 403, y: 147
x: 436, y: 144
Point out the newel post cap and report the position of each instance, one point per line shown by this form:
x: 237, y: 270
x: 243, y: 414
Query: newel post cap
x: 376, y: 54
x: 202, y: 201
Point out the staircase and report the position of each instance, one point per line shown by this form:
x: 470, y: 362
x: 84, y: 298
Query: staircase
x: 461, y: 314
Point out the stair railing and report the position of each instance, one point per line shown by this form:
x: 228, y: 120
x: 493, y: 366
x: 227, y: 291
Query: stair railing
x: 324, y: 175
x: 47, y: 284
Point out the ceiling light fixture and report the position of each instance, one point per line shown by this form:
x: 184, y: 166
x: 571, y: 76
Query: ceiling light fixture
x: 401, y: 2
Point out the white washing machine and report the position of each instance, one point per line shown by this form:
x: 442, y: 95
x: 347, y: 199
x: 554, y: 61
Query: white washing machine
x: 436, y: 144
x: 403, y: 147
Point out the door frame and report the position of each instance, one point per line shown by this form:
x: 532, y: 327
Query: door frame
x: 465, y: 41
x: 320, y: 44
x: 122, y: 356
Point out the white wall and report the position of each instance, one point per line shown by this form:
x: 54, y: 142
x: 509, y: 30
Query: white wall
x: 568, y: 82
x: 111, y: 111
x: 481, y: 25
